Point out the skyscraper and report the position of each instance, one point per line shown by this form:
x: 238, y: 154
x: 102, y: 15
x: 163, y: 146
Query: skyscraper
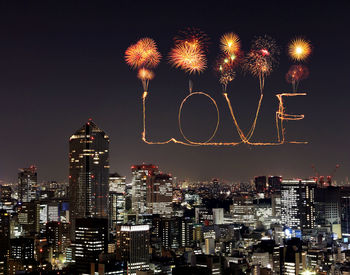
x: 88, y: 173
x: 297, y: 203
x: 142, y: 178
x: 27, y: 180
x: 117, y: 196
x: 133, y: 246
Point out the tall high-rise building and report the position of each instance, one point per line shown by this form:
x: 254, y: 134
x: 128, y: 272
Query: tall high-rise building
x: 117, y: 198
x: 27, y: 182
x: 133, y: 246
x: 91, y: 237
x: 160, y: 195
x: 142, y: 177
x: 88, y: 173
x: 297, y: 203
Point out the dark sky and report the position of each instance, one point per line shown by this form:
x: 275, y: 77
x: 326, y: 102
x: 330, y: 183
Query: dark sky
x: 61, y: 62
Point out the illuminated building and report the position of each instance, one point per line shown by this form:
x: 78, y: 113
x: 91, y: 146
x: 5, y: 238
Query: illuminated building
x: 4, y: 234
x: 91, y: 239
x: 203, y: 216
x: 27, y: 181
x: 22, y: 249
x: 345, y: 210
x: 142, y: 177
x: 161, y: 195
x: 297, y: 203
x: 117, y: 197
x: 218, y: 215
x: 293, y: 258
x: 5, y: 194
x: 29, y: 217
x: 54, y: 233
x: 242, y: 210
x: 327, y: 205
x: 88, y: 173
x: 133, y: 246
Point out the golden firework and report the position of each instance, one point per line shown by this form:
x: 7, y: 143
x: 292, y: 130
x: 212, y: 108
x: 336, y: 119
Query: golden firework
x: 299, y: 49
x: 230, y: 43
x: 145, y: 74
x: 188, y: 57
x: 143, y: 54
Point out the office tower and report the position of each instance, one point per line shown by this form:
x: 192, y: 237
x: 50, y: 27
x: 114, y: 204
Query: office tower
x: 29, y: 217
x: 274, y: 184
x: 160, y: 195
x: 88, y: 173
x: 27, y: 182
x: 203, y: 216
x: 260, y: 184
x: 218, y: 215
x: 91, y: 239
x: 186, y: 235
x: 209, y: 246
x: 133, y: 246
x: 5, y: 194
x: 117, y: 198
x: 293, y: 258
x: 297, y: 203
x: 242, y: 210
x: 142, y: 176
x: 54, y: 235
x: 4, y: 233
x: 22, y: 249
x: 327, y: 208
x: 345, y: 209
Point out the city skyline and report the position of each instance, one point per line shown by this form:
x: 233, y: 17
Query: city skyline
x: 61, y: 70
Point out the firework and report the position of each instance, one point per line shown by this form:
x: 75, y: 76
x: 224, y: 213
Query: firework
x: 143, y: 54
x: 193, y: 37
x: 299, y: 49
x: 230, y: 43
x: 189, y: 58
x: 145, y: 75
x: 262, y: 58
x: 295, y: 74
x: 225, y: 68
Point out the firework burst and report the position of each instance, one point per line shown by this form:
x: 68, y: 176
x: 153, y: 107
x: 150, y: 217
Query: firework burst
x: 188, y: 58
x: 262, y: 58
x: 295, y: 74
x: 230, y: 43
x: 225, y: 68
x: 143, y: 54
x: 299, y: 49
x: 193, y: 37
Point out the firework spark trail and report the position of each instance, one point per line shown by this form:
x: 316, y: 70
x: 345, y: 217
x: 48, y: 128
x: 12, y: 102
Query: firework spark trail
x: 145, y: 76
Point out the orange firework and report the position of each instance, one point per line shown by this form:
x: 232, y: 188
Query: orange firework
x: 230, y: 43
x: 143, y: 54
x: 188, y: 57
x: 145, y: 75
x: 193, y: 37
x: 299, y: 49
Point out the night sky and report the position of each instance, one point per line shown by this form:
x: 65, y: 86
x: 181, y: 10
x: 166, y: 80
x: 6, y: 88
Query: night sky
x: 62, y: 62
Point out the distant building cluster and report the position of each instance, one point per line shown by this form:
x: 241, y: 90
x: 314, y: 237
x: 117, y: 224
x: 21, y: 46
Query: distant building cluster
x: 101, y: 223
